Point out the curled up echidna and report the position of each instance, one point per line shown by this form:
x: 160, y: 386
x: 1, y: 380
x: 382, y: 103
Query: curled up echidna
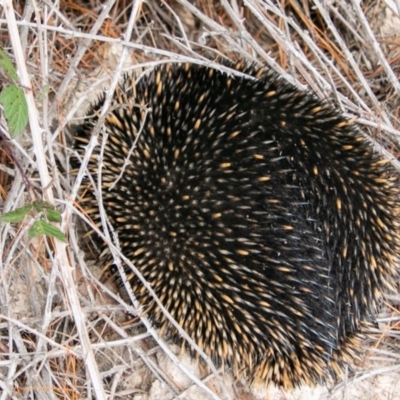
x: 263, y: 219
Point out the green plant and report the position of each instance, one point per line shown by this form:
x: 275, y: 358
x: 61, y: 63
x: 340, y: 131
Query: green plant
x: 12, y: 98
x: 43, y: 225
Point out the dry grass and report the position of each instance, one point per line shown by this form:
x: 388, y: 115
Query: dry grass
x: 63, y: 334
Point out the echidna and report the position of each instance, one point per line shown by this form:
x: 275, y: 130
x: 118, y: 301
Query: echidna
x: 263, y: 219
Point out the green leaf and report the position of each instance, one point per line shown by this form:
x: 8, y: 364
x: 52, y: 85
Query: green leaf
x: 42, y: 227
x: 38, y: 205
x: 17, y: 215
x: 15, y: 108
x: 6, y: 66
x: 53, y: 215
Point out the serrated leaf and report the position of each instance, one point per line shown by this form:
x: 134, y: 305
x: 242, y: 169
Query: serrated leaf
x: 42, y: 227
x: 48, y: 209
x: 15, y: 108
x: 6, y: 66
x: 17, y: 215
x: 53, y: 215
x: 38, y: 206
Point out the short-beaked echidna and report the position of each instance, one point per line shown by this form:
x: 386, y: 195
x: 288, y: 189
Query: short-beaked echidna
x: 263, y: 219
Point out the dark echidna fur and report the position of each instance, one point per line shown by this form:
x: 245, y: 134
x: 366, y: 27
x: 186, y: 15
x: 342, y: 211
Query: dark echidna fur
x: 262, y: 218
